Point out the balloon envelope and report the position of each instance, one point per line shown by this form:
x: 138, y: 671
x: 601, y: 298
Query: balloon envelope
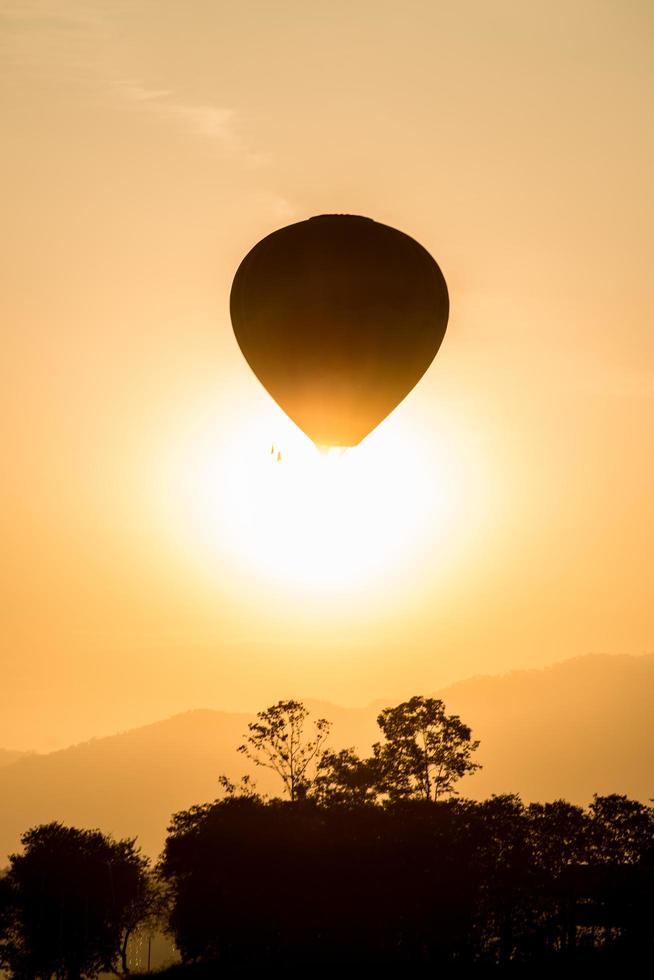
x: 339, y: 317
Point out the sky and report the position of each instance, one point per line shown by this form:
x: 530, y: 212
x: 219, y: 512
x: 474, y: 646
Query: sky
x: 155, y: 557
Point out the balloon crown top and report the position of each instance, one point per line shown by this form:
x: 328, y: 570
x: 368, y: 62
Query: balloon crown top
x: 356, y: 217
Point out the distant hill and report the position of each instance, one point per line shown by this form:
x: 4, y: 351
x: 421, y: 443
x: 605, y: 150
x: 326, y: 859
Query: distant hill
x: 582, y: 726
x: 7, y: 756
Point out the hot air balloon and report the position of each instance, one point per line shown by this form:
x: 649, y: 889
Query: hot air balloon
x: 339, y: 317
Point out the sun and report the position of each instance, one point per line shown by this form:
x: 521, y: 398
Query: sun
x: 335, y: 518
x: 265, y: 498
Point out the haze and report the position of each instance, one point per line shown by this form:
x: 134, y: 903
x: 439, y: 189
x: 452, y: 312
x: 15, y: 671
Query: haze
x: 507, y: 520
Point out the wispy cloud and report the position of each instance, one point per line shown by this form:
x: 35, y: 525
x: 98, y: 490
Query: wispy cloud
x: 79, y: 43
x: 218, y: 124
x: 138, y: 93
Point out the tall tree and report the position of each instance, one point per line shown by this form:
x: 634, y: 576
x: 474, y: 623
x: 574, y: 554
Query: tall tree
x: 278, y: 741
x: 71, y: 901
x: 425, y: 751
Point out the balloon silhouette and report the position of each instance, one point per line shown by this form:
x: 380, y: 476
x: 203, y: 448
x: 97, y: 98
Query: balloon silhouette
x: 339, y: 317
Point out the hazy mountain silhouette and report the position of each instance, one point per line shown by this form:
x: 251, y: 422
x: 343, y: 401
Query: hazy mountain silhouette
x: 582, y: 726
x: 7, y: 756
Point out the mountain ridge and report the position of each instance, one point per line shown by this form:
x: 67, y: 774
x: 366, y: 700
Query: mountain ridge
x: 577, y: 727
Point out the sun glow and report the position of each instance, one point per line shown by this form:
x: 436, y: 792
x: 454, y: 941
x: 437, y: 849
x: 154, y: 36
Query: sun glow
x: 340, y: 520
x: 334, y: 518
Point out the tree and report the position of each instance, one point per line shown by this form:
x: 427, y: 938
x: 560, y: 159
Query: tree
x: 72, y: 900
x: 276, y: 886
x: 277, y: 741
x: 147, y: 911
x: 560, y: 833
x: 425, y: 750
x: 344, y: 778
x: 6, y: 912
x: 245, y: 788
x: 622, y: 830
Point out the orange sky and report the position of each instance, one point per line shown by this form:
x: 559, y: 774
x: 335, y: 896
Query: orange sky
x: 147, y: 147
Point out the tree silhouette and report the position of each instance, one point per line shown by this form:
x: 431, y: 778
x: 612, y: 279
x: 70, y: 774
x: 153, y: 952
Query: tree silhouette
x: 364, y: 867
x: 404, y: 885
x: 559, y: 833
x: 425, y: 750
x: 277, y: 740
x: 245, y: 788
x: 344, y: 778
x: 622, y: 829
x: 71, y: 901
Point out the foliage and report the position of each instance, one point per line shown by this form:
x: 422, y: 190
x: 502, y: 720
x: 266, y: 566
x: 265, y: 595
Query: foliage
x: 410, y: 882
x: 560, y: 834
x: 244, y: 788
x: 425, y: 751
x: 71, y: 901
x: 370, y: 862
x: 282, y: 881
x: 622, y: 829
x: 277, y: 740
x: 343, y: 778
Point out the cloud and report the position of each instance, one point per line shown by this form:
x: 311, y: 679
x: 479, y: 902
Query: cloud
x: 217, y: 124
x: 80, y: 43
x: 138, y: 93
